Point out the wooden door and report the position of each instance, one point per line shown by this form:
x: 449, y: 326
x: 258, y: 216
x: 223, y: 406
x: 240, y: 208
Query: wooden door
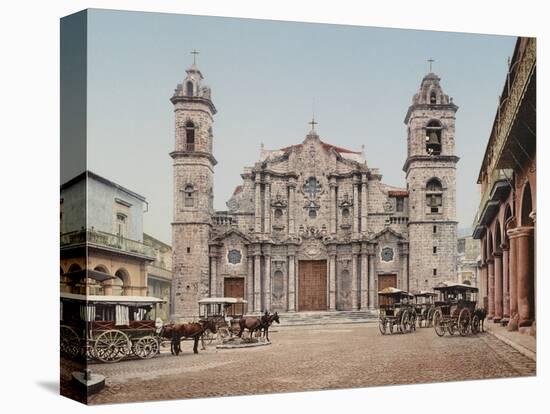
x: 233, y: 287
x: 312, y: 285
x: 385, y: 281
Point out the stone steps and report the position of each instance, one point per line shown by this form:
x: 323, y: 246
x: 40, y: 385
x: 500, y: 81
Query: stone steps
x: 325, y: 318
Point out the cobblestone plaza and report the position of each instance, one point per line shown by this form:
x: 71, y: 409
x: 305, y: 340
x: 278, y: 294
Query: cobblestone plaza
x: 312, y: 358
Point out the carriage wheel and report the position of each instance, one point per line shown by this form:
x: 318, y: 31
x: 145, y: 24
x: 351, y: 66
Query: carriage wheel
x: 208, y: 337
x: 382, y: 326
x: 112, y: 346
x: 429, y: 321
x: 69, y: 342
x: 464, y: 321
x: 475, y: 325
x: 438, y: 323
x: 146, y: 347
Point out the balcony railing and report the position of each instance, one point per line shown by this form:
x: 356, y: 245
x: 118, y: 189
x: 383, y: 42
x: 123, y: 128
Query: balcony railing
x: 108, y: 240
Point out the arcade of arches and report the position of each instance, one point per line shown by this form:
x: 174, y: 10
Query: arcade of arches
x: 508, y: 260
x: 506, y: 219
x: 105, y: 275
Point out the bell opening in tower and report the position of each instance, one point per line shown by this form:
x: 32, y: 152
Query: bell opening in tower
x: 433, y: 138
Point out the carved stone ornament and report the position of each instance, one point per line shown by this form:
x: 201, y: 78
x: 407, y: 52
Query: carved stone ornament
x: 386, y: 254
x: 346, y: 201
x: 234, y: 256
x: 279, y: 202
x: 311, y: 232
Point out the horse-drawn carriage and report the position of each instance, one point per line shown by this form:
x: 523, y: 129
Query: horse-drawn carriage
x: 109, y: 328
x: 424, y: 307
x: 456, y: 309
x: 396, y: 311
x: 225, y: 313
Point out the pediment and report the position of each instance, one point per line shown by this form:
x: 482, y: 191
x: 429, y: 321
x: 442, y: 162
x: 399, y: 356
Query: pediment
x: 231, y: 232
x: 388, y: 234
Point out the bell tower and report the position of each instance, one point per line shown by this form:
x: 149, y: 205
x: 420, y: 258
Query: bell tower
x: 431, y: 181
x: 193, y: 164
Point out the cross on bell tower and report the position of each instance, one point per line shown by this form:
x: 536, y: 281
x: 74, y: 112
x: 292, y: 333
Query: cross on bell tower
x: 194, y: 52
x: 430, y: 61
x: 313, y: 123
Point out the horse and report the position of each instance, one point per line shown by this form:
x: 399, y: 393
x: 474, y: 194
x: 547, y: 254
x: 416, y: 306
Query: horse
x: 194, y: 330
x: 252, y: 323
x: 481, y: 313
x: 267, y: 323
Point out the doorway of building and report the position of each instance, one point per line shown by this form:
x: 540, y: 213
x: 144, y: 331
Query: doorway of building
x: 312, y: 285
x: 233, y: 287
x: 385, y: 281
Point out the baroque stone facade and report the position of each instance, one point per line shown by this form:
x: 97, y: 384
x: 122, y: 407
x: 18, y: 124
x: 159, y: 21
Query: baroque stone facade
x: 312, y: 227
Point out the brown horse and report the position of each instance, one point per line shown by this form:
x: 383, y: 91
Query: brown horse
x: 194, y: 330
x: 252, y: 323
x: 267, y: 323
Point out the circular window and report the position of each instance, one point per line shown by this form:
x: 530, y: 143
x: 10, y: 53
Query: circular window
x: 387, y: 254
x: 278, y: 213
x: 234, y: 256
x: 312, y: 213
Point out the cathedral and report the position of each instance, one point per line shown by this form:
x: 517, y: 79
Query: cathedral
x: 312, y: 227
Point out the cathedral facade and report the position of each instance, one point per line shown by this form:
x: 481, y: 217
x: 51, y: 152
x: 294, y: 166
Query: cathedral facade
x: 312, y: 227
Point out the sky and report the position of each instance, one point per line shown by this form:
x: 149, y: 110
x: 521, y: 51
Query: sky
x: 266, y: 79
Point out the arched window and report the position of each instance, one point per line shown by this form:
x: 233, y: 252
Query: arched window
x: 121, y: 278
x: 526, y: 206
x: 434, y: 195
x: 434, y: 185
x: 188, y: 196
x: 433, y: 138
x: 75, y: 267
x: 190, y: 136
x: 189, y: 88
x: 433, y: 98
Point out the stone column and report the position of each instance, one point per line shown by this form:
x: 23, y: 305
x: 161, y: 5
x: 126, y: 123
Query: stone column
x: 498, y: 287
x: 355, y: 209
x: 107, y: 288
x: 291, y: 206
x: 297, y: 284
x: 354, y: 277
x: 405, y: 267
x: 483, y: 285
x: 267, y: 278
x: 491, y: 287
x: 364, y: 203
x: 525, y: 275
x: 505, y: 284
x: 291, y: 281
x: 372, y: 285
x: 332, y: 277
x: 512, y: 234
x: 213, y: 275
x: 258, y: 205
x: 250, y: 283
x: 267, y: 206
x: 364, y: 277
x: 333, y: 207
x: 257, y: 280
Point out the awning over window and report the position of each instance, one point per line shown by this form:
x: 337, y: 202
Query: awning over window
x: 92, y: 274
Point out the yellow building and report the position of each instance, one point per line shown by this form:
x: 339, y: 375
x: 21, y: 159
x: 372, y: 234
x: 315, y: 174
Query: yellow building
x: 159, y: 275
